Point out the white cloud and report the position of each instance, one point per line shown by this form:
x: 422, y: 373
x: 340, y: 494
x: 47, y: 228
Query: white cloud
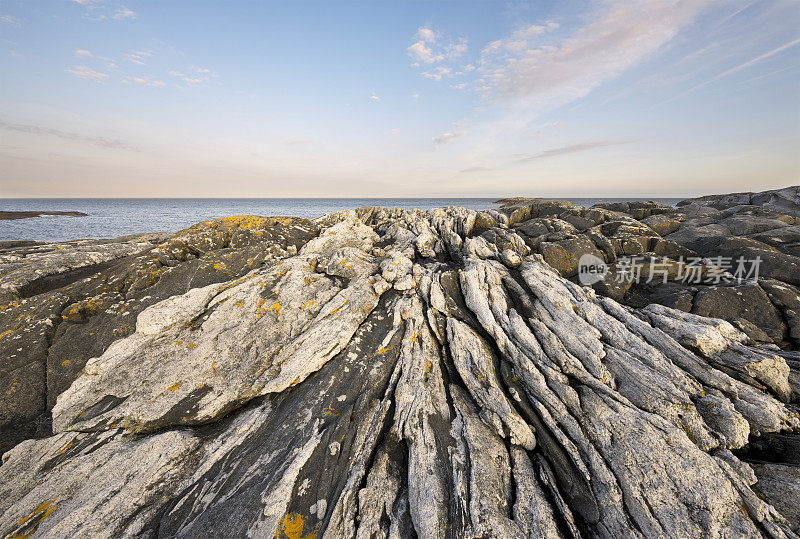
x: 124, y: 13
x: 426, y: 34
x: 374, y: 97
x: 86, y: 73
x: 454, y: 50
x: 427, y: 49
x: 438, y: 73
x: 444, y: 138
x: 423, y: 53
x: 83, y: 52
x: 414, y: 96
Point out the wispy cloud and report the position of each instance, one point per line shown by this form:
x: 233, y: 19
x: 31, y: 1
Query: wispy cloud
x: 519, y: 41
x: 621, y: 34
x: 471, y: 170
x: 87, y: 73
x: 553, y: 152
x: 138, y: 57
x: 10, y: 20
x: 100, y: 10
x: 374, y: 97
x: 572, y: 148
x: 83, y: 53
x: 103, y: 142
x: 445, y: 138
x: 195, y: 76
x: 298, y: 141
x: 740, y: 67
x: 145, y: 81
x: 124, y: 13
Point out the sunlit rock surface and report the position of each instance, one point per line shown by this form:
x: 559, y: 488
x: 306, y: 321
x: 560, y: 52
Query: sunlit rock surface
x: 382, y: 373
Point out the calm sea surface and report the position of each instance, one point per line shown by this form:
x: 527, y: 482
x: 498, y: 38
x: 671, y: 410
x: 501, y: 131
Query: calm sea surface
x: 114, y: 217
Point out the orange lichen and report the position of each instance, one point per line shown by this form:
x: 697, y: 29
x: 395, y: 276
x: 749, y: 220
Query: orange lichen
x: 329, y: 411
x: 63, y: 449
x: 40, y: 513
x: 174, y: 386
x: 292, y: 526
x: 384, y: 349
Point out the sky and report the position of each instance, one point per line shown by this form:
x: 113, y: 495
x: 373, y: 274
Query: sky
x: 604, y: 98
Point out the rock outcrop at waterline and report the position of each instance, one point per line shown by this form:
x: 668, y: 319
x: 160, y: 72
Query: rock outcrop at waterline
x: 380, y: 373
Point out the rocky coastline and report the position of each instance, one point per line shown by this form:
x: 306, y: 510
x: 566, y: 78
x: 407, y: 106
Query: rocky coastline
x: 392, y: 373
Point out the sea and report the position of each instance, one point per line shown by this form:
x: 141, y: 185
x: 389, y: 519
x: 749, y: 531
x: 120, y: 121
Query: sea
x: 115, y: 217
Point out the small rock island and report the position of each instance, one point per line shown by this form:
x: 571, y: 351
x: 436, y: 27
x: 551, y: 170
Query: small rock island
x: 10, y: 215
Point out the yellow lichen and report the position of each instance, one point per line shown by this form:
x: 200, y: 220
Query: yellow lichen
x: 292, y: 526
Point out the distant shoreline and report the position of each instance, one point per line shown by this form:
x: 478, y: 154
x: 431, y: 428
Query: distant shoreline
x: 9, y: 215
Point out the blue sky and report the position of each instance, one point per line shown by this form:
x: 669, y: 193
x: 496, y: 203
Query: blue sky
x: 382, y: 99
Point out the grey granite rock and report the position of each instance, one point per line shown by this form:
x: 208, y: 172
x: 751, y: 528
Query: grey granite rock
x: 391, y: 373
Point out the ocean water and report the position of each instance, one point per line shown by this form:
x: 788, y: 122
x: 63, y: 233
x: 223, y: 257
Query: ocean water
x: 115, y: 217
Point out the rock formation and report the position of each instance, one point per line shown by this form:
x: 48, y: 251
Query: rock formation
x: 392, y: 373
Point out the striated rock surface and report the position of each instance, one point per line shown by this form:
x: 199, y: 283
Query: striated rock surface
x: 389, y: 373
